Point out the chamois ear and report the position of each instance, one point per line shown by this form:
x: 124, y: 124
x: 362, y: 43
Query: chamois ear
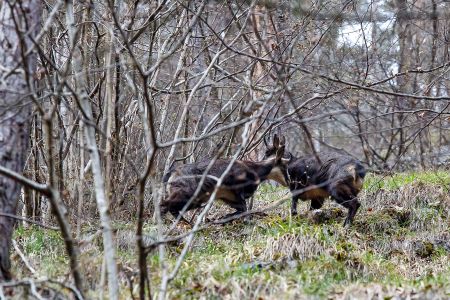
x: 280, y: 153
x: 276, y: 141
x: 282, y: 141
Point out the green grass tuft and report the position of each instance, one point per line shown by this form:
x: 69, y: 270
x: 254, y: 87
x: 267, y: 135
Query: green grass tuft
x: 393, y: 182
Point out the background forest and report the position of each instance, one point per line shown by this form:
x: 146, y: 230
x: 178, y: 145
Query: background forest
x: 99, y: 99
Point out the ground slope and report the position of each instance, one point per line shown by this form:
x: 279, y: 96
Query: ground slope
x: 399, y: 247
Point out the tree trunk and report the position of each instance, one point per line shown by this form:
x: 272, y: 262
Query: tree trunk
x: 80, y: 66
x: 110, y: 111
x: 16, y: 18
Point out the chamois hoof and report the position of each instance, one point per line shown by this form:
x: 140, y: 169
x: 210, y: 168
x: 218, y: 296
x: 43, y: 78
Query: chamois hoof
x: 347, y: 224
x: 261, y: 214
x: 225, y: 219
x: 247, y: 219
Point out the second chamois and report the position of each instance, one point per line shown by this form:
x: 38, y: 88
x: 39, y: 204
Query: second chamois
x: 334, y: 175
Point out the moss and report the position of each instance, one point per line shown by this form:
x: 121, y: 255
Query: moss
x: 424, y: 249
x: 321, y: 216
x: 401, y: 215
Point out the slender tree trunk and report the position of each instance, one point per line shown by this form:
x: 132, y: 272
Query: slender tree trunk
x: 404, y: 63
x: 15, y: 114
x: 37, y: 203
x: 260, y: 27
x: 110, y: 108
x: 59, y: 209
x: 80, y: 181
x: 80, y: 67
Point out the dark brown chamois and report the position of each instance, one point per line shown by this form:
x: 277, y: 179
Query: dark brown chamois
x: 239, y: 184
x: 335, y: 175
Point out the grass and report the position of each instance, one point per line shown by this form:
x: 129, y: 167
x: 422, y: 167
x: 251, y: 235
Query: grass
x: 399, y: 246
x: 399, y: 180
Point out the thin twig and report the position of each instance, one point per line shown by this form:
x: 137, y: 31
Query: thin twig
x: 28, y: 221
x: 22, y: 256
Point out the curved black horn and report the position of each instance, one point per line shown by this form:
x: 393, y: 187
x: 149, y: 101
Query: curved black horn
x: 276, y: 141
x: 265, y: 141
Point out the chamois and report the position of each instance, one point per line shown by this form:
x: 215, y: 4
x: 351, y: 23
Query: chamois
x: 336, y: 175
x: 239, y: 184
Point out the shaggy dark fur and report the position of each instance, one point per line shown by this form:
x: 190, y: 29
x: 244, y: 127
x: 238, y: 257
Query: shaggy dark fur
x: 338, y: 176
x: 239, y: 184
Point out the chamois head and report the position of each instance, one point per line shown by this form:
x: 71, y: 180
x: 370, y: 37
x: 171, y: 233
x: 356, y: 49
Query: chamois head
x: 277, y: 151
x: 277, y: 147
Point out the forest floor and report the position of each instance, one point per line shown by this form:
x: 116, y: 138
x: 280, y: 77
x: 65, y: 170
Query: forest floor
x: 398, y: 248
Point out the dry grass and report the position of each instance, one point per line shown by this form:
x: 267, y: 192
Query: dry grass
x: 398, y: 248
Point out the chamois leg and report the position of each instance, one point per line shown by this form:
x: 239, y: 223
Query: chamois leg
x: 343, y: 195
x: 240, y: 207
x: 294, y: 204
x: 352, y: 206
x: 356, y: 206
x: 316, y: 203
x: 174, y: 204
